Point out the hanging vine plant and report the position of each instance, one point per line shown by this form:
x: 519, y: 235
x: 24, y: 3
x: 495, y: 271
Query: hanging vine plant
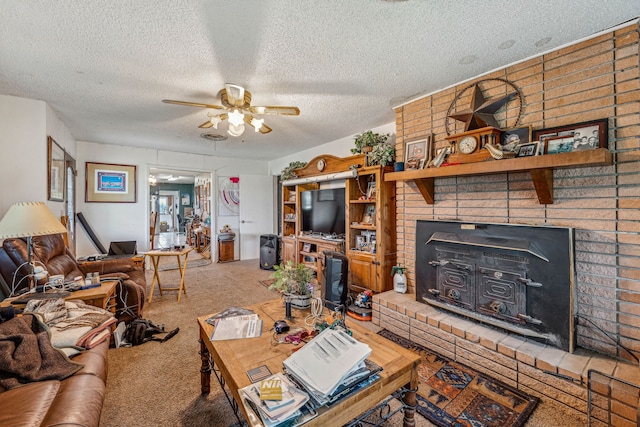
x: 288, y: 172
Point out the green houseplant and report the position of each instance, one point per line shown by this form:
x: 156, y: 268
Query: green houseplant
x: 288, y: 172
x: 382, y: 154
x: 294, y: 282
x: 368, y: 139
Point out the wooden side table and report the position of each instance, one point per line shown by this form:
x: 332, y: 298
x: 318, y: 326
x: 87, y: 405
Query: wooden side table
x: 103, y: 296
x: 226, y: 250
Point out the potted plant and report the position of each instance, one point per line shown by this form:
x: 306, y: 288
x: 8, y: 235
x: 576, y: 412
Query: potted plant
x: 382, y: 154
x: 367, y: 140
x: 294, y: 282
x: 288, y: 172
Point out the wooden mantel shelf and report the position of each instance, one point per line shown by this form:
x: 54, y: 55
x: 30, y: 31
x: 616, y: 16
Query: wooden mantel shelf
x: 540, y: 167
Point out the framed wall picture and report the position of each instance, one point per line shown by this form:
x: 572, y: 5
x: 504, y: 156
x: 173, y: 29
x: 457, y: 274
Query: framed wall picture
x: 55, y: 178
x: 110, y: 183
x: 583, y: 136
x: 417, y: 153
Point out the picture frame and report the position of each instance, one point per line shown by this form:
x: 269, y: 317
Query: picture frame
x: 558, y: 144
x: 417, y: 153
x: 588, y: 135
x: 306, y: 247
x: 371, y: 190
x: 110, y: 183
x: 56, y: 173
x: 528, y: 149
x: 369, y: 215
x: 511, y: 138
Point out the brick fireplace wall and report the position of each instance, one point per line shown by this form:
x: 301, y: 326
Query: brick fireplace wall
x: 594, y: 79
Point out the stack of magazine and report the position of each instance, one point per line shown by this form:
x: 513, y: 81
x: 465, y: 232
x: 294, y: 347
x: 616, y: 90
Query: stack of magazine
x: 331, y: 366
x: 235, y: 323
x: 293, y: 409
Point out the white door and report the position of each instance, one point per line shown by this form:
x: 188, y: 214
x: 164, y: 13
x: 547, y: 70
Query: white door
x: 256, y: 213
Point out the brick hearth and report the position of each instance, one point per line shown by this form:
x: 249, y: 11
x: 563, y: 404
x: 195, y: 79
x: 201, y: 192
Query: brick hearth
x: 546, y: 372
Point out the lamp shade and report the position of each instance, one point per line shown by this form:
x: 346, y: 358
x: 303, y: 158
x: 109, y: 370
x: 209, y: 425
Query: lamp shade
x: 28, y: 219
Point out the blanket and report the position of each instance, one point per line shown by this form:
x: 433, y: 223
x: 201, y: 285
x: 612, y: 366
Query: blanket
x: 26, y: 354
x: 73, y: 325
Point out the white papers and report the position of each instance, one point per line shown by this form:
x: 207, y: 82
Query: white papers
x: 326, y: 361
x: 230, y: 328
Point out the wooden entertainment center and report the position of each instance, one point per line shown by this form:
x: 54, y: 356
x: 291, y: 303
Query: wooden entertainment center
x: 370, y: 227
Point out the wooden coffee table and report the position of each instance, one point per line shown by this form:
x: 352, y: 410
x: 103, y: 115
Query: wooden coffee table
x: 231, y: 359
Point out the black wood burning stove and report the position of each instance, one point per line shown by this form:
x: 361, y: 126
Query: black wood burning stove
x: 519, y: 278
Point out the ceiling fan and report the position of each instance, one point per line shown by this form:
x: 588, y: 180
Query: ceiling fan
x: 236, y: 101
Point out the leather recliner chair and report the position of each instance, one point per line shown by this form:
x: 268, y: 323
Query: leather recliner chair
x: 57, y: 259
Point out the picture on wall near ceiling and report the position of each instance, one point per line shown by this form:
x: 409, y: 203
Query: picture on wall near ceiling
x: 228, y: 196
x: 55, y: 178
x: 577, y: 137
x: 110, y: 183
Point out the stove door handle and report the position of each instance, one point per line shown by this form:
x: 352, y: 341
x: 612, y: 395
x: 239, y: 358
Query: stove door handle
x: 529, y: 319
x: 530, y: 282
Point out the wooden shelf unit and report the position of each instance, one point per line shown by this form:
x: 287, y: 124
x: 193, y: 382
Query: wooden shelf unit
x: 371, y: 270
x: 540, y: 167
x: 315, y: 254
x: 291, y: 219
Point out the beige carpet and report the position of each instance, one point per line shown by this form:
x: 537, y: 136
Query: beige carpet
x: 158, y: 384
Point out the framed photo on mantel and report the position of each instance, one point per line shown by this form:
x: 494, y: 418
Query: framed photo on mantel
x: 110, y: 183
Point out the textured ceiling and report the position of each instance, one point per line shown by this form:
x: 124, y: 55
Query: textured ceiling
x: 105, y: 66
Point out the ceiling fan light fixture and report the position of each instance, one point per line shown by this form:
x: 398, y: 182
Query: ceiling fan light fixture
x: 235, y: 130
x: 236, y: 118
x: 257, y: 124
x: 215, y: 120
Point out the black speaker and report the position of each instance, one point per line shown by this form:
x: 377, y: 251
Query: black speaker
x: 336, y: 270
x: 269, y: 251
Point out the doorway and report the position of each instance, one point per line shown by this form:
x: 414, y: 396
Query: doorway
x: 172, y: 196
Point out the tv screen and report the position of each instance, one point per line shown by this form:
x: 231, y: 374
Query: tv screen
x: 323, y: 211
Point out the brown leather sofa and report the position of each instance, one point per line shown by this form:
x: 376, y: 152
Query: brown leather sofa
x: 57, y: 259
x: 74, y: 401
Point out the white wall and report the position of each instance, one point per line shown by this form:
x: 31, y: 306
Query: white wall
x: 24, y: 127
x: 129, y: 221
x: 339, y: 148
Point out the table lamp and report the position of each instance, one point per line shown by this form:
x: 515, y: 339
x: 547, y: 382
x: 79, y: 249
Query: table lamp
x: 28, y: 219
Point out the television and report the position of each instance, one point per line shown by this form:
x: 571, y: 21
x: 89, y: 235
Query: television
x: 323, y: 211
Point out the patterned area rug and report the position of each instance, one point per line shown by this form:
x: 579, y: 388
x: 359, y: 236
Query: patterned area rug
x: 452, y: 394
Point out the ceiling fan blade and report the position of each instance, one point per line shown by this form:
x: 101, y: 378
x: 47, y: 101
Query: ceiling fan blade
x: 193, y: 104
x: 275, y: 110
x: 265, y: 129
x: 206, y: 125
x: 223, y: 116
